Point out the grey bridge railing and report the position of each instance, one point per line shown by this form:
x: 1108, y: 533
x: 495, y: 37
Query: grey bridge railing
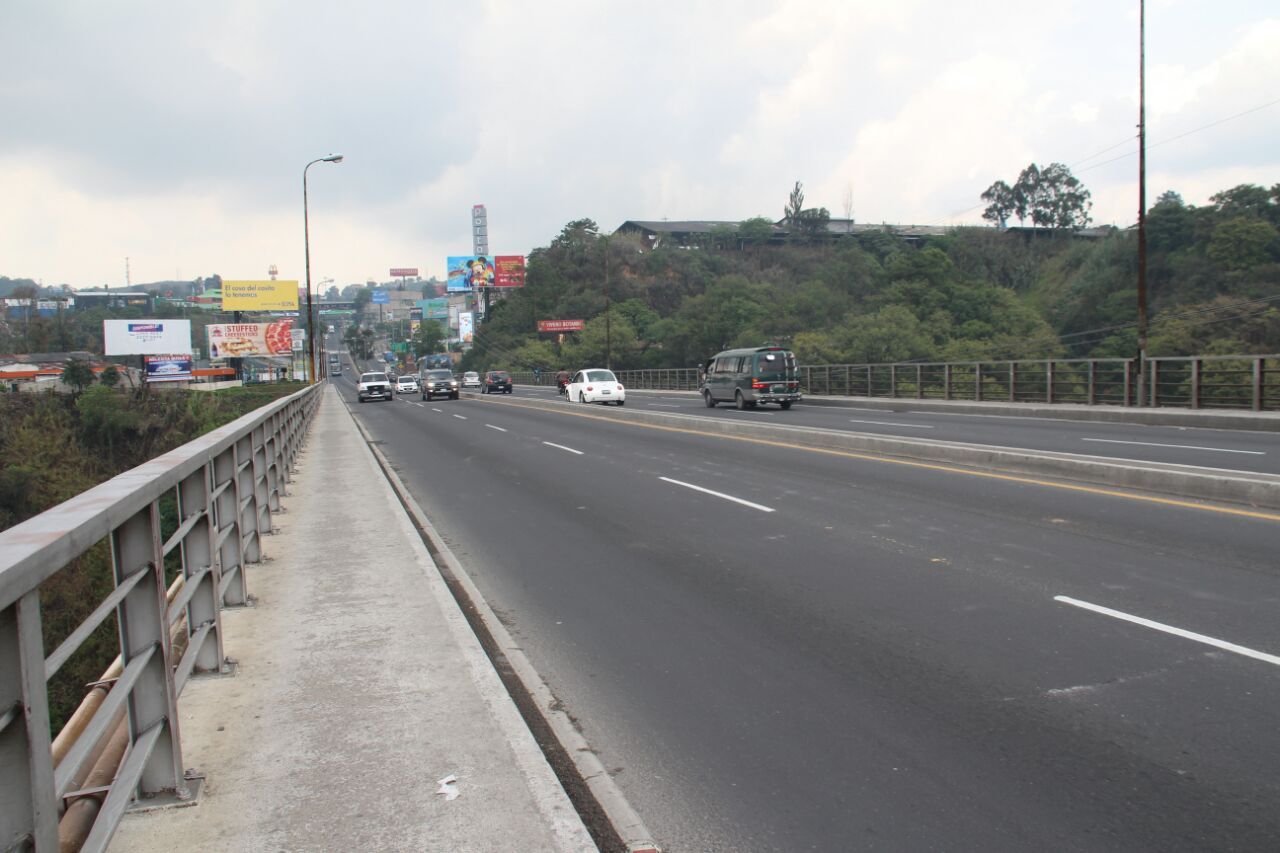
x: 1197, y: 382
x: 224, y: 487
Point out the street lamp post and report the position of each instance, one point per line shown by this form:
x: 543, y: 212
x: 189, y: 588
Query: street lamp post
x: 306, y: 242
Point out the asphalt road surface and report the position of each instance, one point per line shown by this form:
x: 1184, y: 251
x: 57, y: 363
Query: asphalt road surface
x: 781, y: 649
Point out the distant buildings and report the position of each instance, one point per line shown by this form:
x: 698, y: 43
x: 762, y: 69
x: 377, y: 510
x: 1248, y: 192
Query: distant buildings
x: 699, y: 233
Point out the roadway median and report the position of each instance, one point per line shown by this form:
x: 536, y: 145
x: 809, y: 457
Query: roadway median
x: 1185, y: 481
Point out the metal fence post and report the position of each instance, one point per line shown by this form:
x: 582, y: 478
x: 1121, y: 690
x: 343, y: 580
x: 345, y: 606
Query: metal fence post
x: 919, y: 382
x: 1013, y: 382
x: 946, y: 381
x: 893, y: 380
x: 977, y: 382
x: 261, y: 493
x: 1048, y: 382
x: 232, y: 583
x: 144, y: 631
x: 1093, y: 380
x: 1257, y: 384
x: 1154, y: 373
x: 195, y: 499
x: 28, y: 802
x: 868, y: 380
x: 246, y: 491
x: 1195, y: 383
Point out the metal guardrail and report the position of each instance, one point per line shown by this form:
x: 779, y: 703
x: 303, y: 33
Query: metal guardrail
x: 225, y: 485
x: 1196, y: 382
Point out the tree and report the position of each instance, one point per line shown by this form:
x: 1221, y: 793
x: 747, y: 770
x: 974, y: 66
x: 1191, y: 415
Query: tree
x: 812, y: 223
x: 428, y: 338
x: 110, y: 376
x: 1052, y: 197
x: 795, y: 205
x: 1249, y: 200
x: 1243, y: 242
x: 78, y: 374
x: 1002, y: 203
x: 756, y: 231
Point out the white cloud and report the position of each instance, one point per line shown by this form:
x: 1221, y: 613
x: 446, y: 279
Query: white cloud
x: 176, y: 134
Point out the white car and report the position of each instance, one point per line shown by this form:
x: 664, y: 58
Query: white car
x: 471, y: 379
x: 407, y: 385
x: 597, y: 385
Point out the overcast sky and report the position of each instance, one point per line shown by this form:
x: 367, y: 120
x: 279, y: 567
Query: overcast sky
x: 175, y: 133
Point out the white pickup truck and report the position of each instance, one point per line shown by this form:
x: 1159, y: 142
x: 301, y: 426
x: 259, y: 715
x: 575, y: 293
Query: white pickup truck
x: 374, y: 386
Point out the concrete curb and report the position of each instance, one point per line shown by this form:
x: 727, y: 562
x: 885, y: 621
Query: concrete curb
x: 1211, y: 484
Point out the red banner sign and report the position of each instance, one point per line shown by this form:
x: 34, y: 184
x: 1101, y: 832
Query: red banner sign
x: 560, y: 325
x: 404, y: 272
x: 508, y: 270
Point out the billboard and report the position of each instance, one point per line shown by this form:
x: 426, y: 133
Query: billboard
x: 434, y: 309
x: 467, y: 272
x: 146, y: 337
x: 466, y: 326
x: 168, y: 368
x: 509, y: 270
x: 560, y: 325
x: 233, y: 340
x: 404, y: 272
x: 380, y: 297
x: 259, y: 295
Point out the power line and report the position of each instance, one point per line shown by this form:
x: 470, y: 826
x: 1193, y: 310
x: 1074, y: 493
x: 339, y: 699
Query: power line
x: 1187, y: 133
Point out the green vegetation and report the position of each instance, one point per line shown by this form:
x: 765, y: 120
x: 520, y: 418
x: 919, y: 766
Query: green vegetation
x: 870, y: 296
x: 55, y: 446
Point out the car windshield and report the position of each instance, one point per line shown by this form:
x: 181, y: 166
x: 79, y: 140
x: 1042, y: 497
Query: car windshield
x: 440, y: 374
x: 373, y: 377
x: 499, y: 374
x: 405, y: 380
x: 600, y: 376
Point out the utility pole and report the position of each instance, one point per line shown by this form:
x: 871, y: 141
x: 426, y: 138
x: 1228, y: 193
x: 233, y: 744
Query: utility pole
x: 1142, y: 206
x: 608, y: 348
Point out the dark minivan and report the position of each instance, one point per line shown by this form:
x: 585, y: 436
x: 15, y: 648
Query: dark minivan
x: 747, y: 377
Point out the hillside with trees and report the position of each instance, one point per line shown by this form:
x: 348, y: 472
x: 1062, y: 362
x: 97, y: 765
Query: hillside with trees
x: 866, y: 297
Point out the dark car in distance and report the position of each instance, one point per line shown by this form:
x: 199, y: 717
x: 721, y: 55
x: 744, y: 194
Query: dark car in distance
x: 496, y: 381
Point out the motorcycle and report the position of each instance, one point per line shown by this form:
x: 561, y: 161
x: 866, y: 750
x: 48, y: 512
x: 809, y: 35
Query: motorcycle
x: 562, y: 387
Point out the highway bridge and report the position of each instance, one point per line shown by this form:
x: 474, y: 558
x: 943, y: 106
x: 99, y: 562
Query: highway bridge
x: 853, y: 625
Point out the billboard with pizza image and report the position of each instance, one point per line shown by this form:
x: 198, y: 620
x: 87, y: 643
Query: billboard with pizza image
x: 235, y: 340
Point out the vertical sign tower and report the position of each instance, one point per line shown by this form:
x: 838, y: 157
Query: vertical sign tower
x: 480, y: 245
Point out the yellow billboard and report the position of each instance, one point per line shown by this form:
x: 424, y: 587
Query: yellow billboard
x: 259, y: 295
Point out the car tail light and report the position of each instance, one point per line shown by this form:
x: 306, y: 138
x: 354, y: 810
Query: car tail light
x: 619, y: 387
x: 759, y: 384
x: 589, y: 388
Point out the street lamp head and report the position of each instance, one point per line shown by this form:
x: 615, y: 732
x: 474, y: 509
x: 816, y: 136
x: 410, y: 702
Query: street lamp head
x: 332, y: 158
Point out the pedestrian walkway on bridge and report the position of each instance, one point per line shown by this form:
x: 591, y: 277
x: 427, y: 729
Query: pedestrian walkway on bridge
x: 358, y: 687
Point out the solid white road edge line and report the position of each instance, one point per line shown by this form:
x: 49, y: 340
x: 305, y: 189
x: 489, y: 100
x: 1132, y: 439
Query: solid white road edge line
x: 1169, y: 629
x: 498, y: 428
x: 461, y: 417
x: 891, y: 423
x: 1178, y: 446
x: 562, y: 447
x: 760, y: 507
